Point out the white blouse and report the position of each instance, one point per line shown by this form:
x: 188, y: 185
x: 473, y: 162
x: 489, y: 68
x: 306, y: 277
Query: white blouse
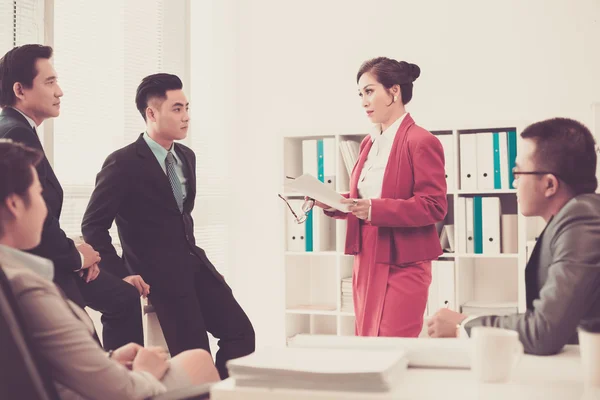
x: 371, y: 176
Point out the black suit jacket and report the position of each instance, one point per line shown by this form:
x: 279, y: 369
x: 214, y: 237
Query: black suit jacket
x: 157, y: 239
x: 55, y: 245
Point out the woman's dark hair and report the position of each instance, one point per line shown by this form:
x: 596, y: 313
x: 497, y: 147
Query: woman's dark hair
x: 390, y: 72
x: 18, y: 65
x: 16, y: 176
x: 567, y: 148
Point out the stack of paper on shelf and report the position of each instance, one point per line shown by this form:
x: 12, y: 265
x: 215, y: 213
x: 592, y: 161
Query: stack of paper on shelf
x: 320, y: 369
x: 347, y: 301
x: 349, y: 150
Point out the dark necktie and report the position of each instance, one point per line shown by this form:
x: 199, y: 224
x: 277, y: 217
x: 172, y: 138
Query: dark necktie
x: 174, y: 180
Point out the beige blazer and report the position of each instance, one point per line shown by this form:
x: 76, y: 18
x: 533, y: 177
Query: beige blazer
x: 62, y: 334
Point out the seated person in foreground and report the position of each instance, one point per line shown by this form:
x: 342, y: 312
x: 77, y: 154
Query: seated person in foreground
x: 555, y: 177
x: 62, y: 333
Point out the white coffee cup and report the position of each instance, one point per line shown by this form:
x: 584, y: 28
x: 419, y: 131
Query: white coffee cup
x: 495, y: 353
x: 589, y: 348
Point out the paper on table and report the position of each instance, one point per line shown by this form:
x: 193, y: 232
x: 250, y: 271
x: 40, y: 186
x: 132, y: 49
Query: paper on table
x: 310, y: 186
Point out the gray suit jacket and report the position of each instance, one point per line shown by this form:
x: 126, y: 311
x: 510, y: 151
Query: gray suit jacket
x: 562, y: 280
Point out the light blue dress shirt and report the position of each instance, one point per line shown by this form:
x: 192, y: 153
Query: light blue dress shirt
x: 161, y: 154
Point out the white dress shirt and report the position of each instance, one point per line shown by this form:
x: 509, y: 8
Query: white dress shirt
x: 370, y: 181
x: 31, y: 122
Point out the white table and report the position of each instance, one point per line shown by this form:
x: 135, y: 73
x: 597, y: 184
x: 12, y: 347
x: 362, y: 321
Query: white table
x: 554, y: 377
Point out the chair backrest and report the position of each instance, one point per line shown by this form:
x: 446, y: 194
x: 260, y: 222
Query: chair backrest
x: 21, y: 371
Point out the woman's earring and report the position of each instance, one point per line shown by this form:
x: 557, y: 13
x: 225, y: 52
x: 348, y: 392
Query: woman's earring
x: 395, y: 99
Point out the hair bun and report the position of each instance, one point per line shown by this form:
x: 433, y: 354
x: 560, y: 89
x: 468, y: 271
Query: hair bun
x: 415, y: 71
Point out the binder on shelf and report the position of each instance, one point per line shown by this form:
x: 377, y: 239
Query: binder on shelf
x: 441, y: 290
x: 461, y: 224
x: 308, y: 231
x: 447, y: 144
x: 323, y: 231
x: 503, y: 164
x: 468, y: 161
x: 477, y: 225
x: 470, y: 231
x: 510, y: 233
x: 512, y: 155
x: 329, y: 162
x: 295, y: 233
x: 490, y: 224
x: 485, y: 160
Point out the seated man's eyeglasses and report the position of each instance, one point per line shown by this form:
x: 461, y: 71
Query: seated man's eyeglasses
x: 517, y: 173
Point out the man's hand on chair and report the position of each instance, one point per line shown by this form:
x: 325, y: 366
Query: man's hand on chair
x: 138, y: 282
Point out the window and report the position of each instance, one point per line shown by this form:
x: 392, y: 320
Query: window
x: 102, y: 51
x: 211, y: 120
x: 21, y: 22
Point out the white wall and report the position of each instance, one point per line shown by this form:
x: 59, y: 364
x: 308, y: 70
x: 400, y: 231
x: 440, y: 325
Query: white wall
x: 482, y: 62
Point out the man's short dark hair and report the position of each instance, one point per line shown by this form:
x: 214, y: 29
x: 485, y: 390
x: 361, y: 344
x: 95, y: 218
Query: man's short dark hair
x: 568, y: 149
x: 155, y: 86
x: 18, y: 65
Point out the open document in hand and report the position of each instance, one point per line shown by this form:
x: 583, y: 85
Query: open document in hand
x: 310, y: 186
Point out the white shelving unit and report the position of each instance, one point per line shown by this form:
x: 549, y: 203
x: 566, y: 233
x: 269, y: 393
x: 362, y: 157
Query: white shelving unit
x: 313, y: 279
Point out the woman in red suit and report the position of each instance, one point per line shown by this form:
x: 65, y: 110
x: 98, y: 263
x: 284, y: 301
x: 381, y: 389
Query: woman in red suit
x: 397, y: 194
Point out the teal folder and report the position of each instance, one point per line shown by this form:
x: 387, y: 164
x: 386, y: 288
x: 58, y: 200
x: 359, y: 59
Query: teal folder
x: 477, y: 226
x: 308, y: 233
x: 320, y: 161
x: 321, y: 177
x: 497, y: 181
x: 512, y: 155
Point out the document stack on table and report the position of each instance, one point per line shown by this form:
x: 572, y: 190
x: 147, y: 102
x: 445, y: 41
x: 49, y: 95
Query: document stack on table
x: 320, y: 369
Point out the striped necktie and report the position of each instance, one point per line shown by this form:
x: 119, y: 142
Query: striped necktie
x: 174, y: 180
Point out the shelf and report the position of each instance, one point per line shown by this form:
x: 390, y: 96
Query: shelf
x: 312, y: 311
x: 473, y: 255
x: 448, y: 255
x: 312, y: 253
x: 346, y: 314
x: 292, y: 194
x: 486, y: 191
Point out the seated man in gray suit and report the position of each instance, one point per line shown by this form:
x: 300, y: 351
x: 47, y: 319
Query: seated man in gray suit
x: 555, y: 177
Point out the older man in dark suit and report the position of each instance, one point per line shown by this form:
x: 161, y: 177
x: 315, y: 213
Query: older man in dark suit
x: 30, y: 94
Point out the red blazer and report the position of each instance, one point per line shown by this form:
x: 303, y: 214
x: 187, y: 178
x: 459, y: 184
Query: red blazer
x: 413, y: 198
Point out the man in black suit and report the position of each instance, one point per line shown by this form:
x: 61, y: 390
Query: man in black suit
x: 30, y: 94
x: 149, y: 188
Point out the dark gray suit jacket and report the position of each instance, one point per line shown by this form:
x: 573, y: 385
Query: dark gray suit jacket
x: 55, y: 245
x: 562, y: 280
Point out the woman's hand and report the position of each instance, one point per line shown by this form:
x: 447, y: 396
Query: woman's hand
x: 358, y: 207
x: 318, y: 203
x: 124, y: 355
x: 150, y: 361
